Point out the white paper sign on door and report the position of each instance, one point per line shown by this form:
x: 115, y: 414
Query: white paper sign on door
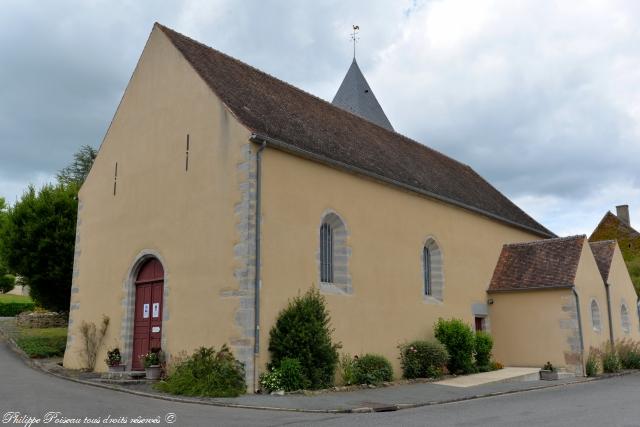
x: 156, y: 309
x: 155, y: 329
x: 145, y: 311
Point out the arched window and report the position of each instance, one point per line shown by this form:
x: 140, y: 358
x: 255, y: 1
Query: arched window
x: 595, y: 316
x: 333, y: 255
x: 432, y: 271
x: 624, y: 317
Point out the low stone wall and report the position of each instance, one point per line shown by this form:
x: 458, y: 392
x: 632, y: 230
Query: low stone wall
x: 44, y: 319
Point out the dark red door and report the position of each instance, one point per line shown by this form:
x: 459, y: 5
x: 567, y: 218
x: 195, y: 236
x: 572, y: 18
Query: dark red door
x: 147, y: 326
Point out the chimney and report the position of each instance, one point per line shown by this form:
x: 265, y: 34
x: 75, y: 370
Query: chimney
x: 622, y: 212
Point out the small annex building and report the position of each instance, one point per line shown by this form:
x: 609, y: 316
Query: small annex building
x: 220, y: 192
x: 555, y: 299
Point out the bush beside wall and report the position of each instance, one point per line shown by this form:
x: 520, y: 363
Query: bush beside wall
x: 207, y: 373
x: 423, y: 359
x: 459, y: 339
x: 303, y: 332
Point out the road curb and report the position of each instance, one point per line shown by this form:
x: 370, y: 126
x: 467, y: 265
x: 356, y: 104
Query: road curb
x: 359, y: 410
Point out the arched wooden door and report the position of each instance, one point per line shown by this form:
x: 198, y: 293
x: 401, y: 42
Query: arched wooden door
x: 147, y: 326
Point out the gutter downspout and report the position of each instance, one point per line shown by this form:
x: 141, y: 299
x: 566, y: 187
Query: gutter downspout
x: 606, y: 287
x: 575, y: 294
x: 256, y: 312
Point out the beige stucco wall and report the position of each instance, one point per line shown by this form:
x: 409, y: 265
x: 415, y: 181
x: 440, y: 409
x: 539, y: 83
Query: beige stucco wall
x: 530, y: 328
x: 387, y: 230
x: 621, y: 289
x: 589, y: 286
x: 189, y: 219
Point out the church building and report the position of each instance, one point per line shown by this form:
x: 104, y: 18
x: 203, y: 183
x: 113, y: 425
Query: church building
x: 220, y: 192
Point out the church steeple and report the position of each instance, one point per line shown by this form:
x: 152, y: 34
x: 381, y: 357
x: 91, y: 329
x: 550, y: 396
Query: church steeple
x: 355, y: 95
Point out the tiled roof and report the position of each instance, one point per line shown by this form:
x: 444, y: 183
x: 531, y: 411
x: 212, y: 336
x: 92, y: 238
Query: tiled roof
x: 542, y: 264
x: 603, y: 253
x: 611, y: 225
x: 308, y: 126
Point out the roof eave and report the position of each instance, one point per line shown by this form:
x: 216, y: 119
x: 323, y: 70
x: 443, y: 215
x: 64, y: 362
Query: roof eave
x: 289, y: 148
x: 538, y: 288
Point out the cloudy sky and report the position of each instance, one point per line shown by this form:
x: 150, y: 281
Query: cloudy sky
x: 541, y: 97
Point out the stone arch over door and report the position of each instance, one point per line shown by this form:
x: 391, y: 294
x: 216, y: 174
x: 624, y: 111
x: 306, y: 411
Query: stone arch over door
x: 129, y: 304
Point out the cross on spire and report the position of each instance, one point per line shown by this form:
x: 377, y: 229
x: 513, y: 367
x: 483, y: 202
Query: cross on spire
x: 355, y: 38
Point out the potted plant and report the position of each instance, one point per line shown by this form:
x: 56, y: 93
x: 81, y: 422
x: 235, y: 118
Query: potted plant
x: 548, y: 372
x: 114, y: 360
x: 151, y: 362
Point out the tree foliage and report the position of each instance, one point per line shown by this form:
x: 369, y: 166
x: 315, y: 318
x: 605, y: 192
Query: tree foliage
x: 77, y: 171
x: 37, y: 242
x: 303, y: 332
x: 7, y: 280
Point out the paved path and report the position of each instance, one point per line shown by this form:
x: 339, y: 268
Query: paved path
x: 608, y: 402
x: 501, y: 375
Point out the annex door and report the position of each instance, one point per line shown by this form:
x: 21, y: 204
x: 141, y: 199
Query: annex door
x: 147, y: 326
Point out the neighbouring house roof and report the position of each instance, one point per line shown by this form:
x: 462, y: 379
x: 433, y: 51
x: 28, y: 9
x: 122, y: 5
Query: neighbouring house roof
x: 355, y: 95
x: 603, y: 253
x: 542, y: 264
x: 310, y: 127
x: 612, y: 226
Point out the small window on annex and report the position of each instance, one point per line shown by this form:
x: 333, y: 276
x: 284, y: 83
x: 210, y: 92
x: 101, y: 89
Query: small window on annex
x: 595, y: 316
x: 624, y: 318
x: 432, y: 270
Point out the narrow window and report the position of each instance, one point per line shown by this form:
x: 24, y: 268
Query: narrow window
x: 186, y: 161
x: 115, y: 179
x: 624, y: 317
x: 432, y: 271
x: 326, y: 253
x: 479, y: 324
x: 426, y: 264
x: 595, y: 316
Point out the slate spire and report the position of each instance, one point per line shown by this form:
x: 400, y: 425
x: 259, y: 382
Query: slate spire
x: 355, y: 95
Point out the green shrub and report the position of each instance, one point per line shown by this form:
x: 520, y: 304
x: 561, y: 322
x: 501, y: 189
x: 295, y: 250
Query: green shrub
x: 458, y: 338
x: 423, y: 359
x: 347, y: 370
x: 42, y: 342
x: 207, y: 373
x: 288, y: 377
x: 11, y: 309
x: 292, y: 375
x: 629, y: 353
x: 593, y: 365
x: 372, y: 369
x: 610, y: 361
x: 271, y: 380
x: 483, y: 346
x: 302, y: 331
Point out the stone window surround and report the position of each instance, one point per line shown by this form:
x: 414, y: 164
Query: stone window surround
x: 596, y: 319
x: 437, y: 271
x: 341, y: 254
x: 129, y: 304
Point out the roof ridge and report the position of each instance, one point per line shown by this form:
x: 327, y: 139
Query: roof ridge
x: 547, y: 241
x: 407, y: 139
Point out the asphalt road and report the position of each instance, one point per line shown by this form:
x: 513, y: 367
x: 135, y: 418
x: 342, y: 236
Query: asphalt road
x: 611, y: 402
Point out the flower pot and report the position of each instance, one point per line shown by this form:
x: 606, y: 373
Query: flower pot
x: 153, y: 372
x: 117, y: 368
x: 548, y: 375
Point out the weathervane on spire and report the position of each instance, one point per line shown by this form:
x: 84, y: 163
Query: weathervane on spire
x: 355, y: 38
